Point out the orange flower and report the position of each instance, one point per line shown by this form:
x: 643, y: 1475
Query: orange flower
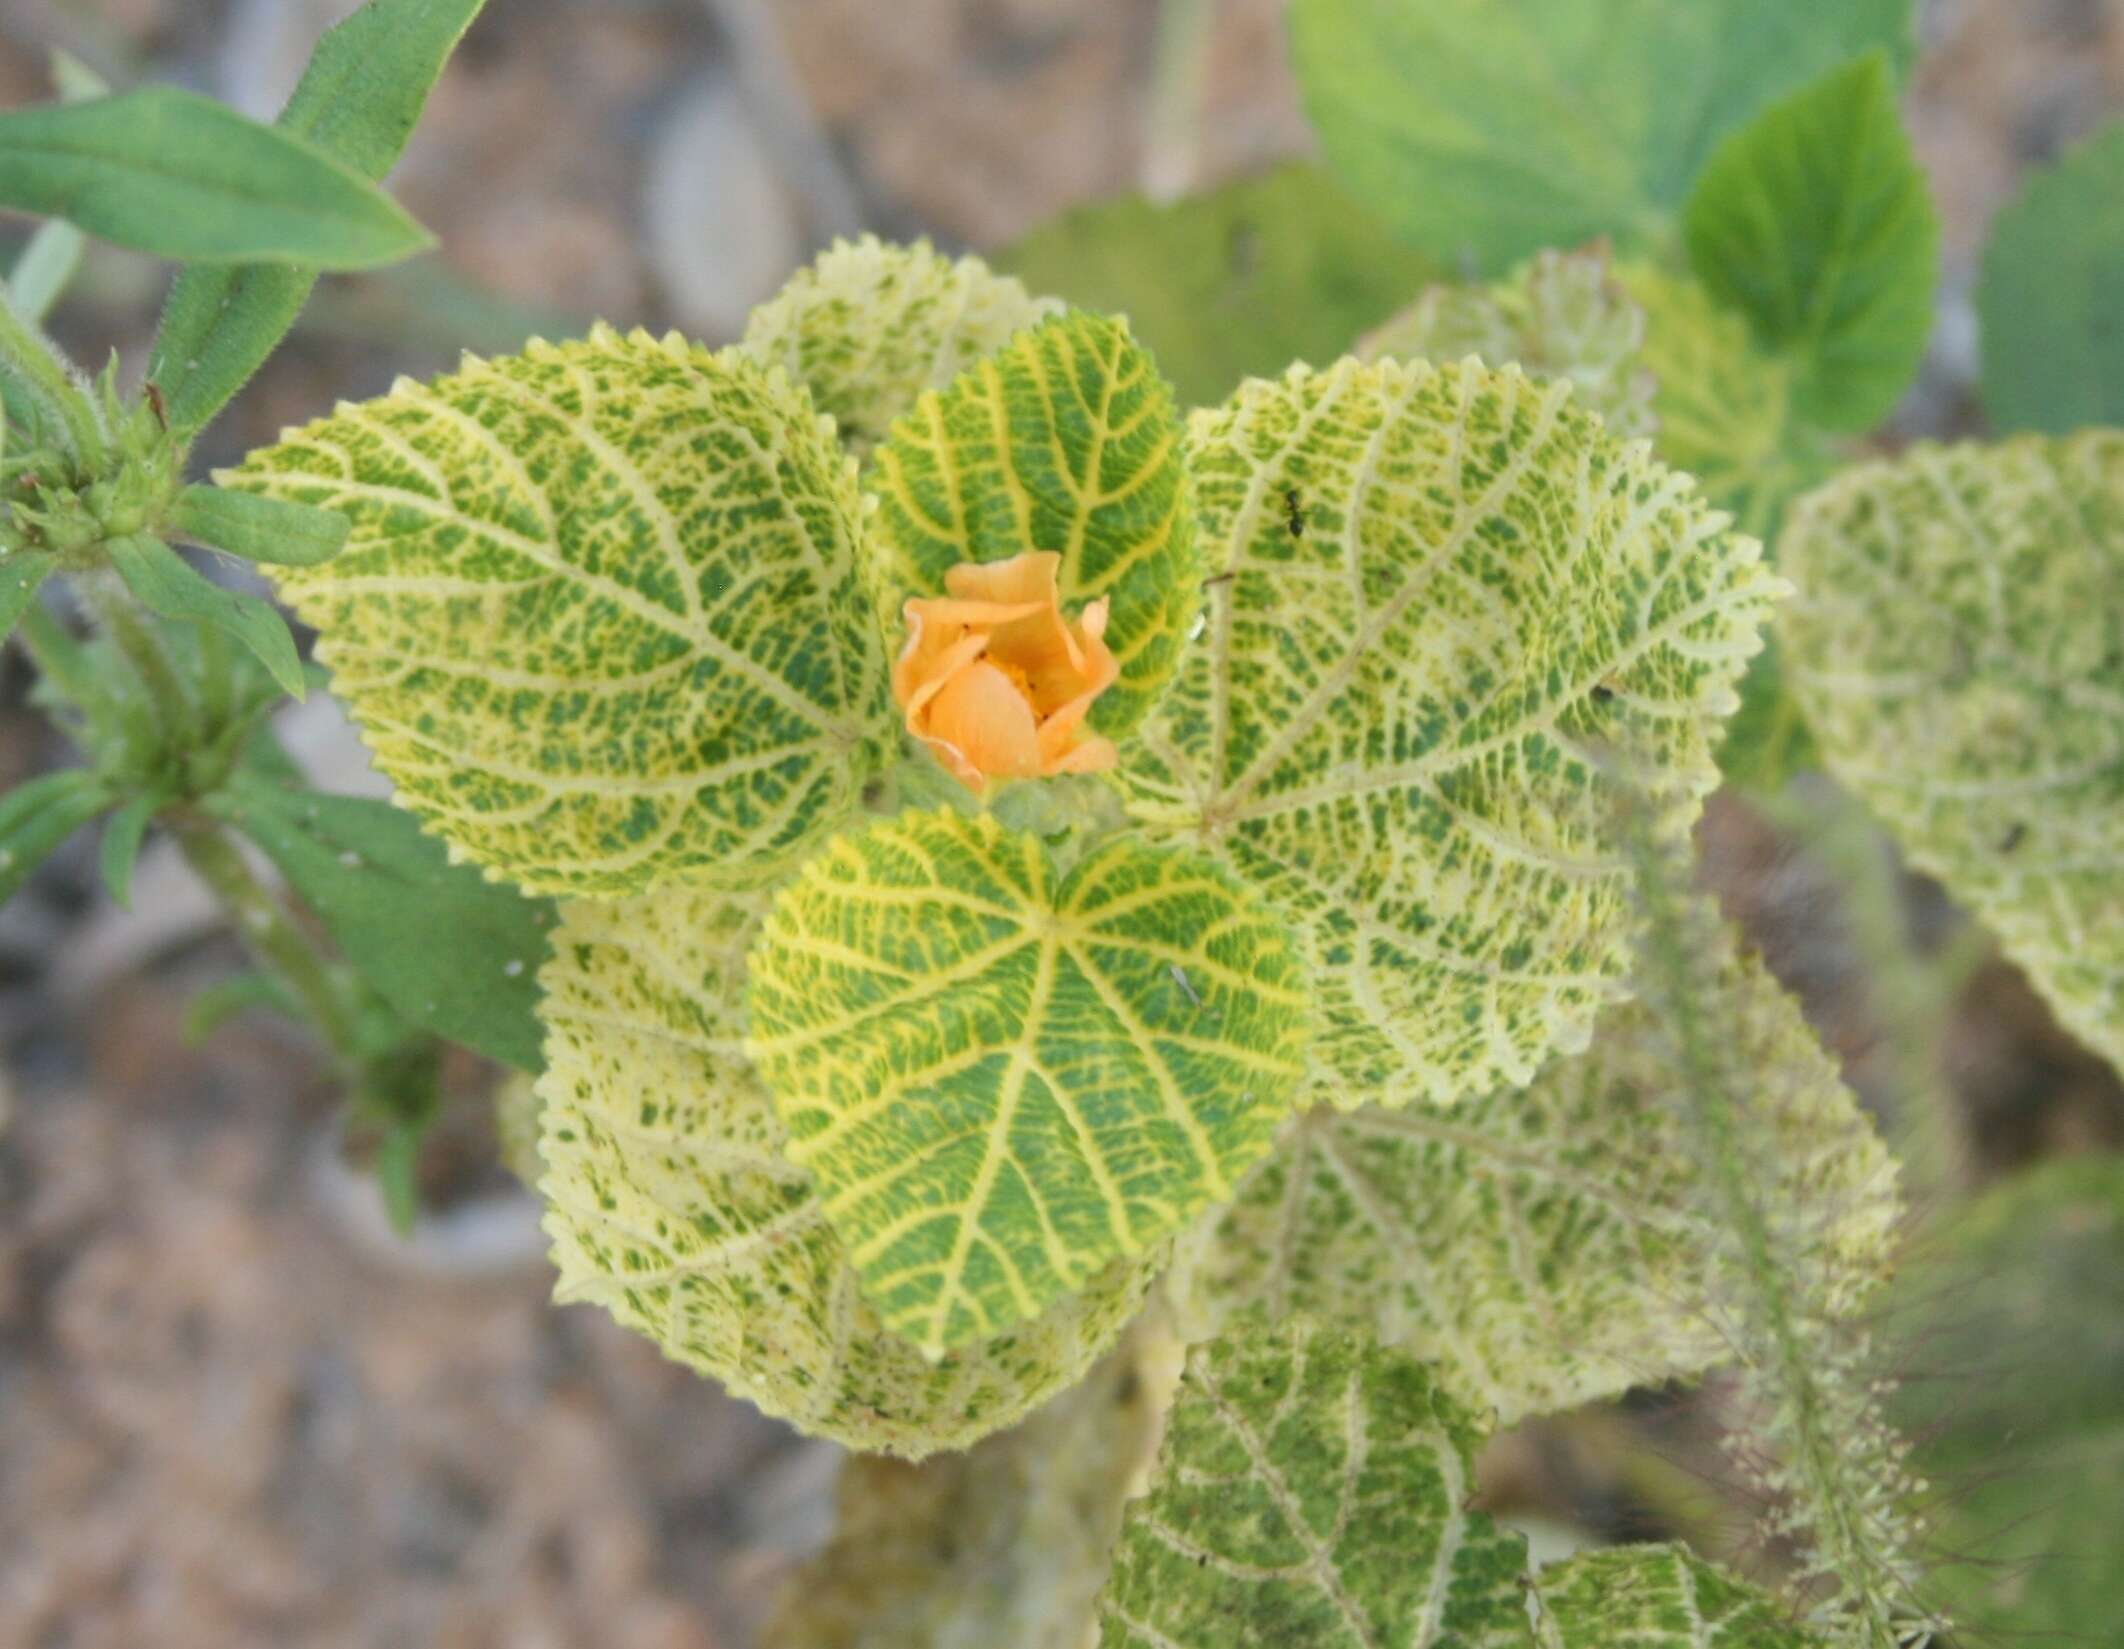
x: 997, y: 682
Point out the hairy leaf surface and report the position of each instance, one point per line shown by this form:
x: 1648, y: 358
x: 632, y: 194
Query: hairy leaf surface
x: 1814, y: 220
x: 1312, y: 1489
x: 868, y: 327
x: 1959, y: 650
x: 599, y: 614
x: 1549, y: 1246
x: 1238, y: 281
x: 672, y: 1203
x: 1658, y: 1597
x: 1449, y: 613
x: 1503, y: 126
x: 1560, y: 316
x: 1006, y: 1076
x: 1065, y: 440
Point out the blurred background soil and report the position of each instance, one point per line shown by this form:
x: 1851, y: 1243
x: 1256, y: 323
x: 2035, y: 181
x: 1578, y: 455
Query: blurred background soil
x: 233, y: 1409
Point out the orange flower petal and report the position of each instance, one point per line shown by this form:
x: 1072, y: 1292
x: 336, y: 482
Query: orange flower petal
x: 982, y: 718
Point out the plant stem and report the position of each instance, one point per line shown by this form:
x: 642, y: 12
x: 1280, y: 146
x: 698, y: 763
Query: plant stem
x: 272, y: 936
x: 1179, y: 68
x: 111, y: 606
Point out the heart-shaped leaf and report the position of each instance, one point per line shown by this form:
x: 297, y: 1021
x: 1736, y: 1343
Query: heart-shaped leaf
x: 671, y: 1203
x: 1006, y: 1076
x: 1452, y: 619
x: 599, y: 612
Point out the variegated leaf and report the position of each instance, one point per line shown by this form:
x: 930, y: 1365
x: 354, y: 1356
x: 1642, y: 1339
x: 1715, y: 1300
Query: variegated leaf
x: 1006, y: 1075
x: 1312, y: 1489
x: 671, y: 1202
x: 1546, y: 1247
x: 1959, y: 651
x: 1562, y: 315
x: 599, y: 615
x: 1065, y: 440
x: 868, y: 327
x: 1450, y: 616
x: 1658, y: 1597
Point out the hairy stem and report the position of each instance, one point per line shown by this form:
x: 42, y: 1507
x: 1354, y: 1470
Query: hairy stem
x: 270, y: 933
x: 1836, y: 1463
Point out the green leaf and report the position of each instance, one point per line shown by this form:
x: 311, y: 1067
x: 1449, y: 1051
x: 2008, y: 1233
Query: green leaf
x: 1725, y: 409
x: 120, y: 849
x: 1004, y: 1546
x: 1004, y: 1076
x: 1450, y: 617
x: 1562, y: 316
x: 358, y: 101
x: 398, y: 1096
x: 166, y: 584
x: 258, y: 528
x: 1767, y: 741
x: 599, y: 614
x: 1549, y: 1246
x: 37, y: 815
x: 1814, y: 221
x: 671, y: 1202
x: 450, y: 950
x: 180, y: 176
x: 21, y: 575
x: 1499, y: 127
x: 868, y: 327
x: 2014, y: 1308
x: 1313, y: 1489
x: 1658, y: 1597
x: 1237, y: 282
x: 1065, y: 440
x: 1959, y: 652
x: 2051, y: 301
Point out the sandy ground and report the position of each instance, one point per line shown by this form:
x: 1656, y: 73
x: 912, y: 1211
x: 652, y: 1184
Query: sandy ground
x: 232, y: 1412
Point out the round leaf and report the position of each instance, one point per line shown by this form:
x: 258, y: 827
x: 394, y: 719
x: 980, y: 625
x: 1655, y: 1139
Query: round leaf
x: 1006, y: 1076
x: 1451, y: 618
x: 1959, y: 650
x: 868, y: 327
x: 671, y: 1203
x: 599, y: 614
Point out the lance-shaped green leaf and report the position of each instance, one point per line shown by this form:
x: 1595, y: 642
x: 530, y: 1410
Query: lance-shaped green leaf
x: 38, y: 814
x: 1449, y: 615
x: 1658, y: 1597
x: 119, y: 850
x: 1065, y: 440
x: 1959, y: 650
x: 599, y: 614
x: 1312, y: 1489
x: 868, y: 327
x: 257, y: 528
x: 21, y: 576
x: 358, y: 101
x: 1814, y: 221
x: 450, y: 950
x: 2050, y: 306
x: 1562, y: 315
x: 1006, y: 1076
x: 1549, y: 1246
x: 671, y: 1202
x: 167, y: 584
x: 1235, y: 282
x: 1503, y: 126
x: 1003, y: 1546
x: 176, y: 174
